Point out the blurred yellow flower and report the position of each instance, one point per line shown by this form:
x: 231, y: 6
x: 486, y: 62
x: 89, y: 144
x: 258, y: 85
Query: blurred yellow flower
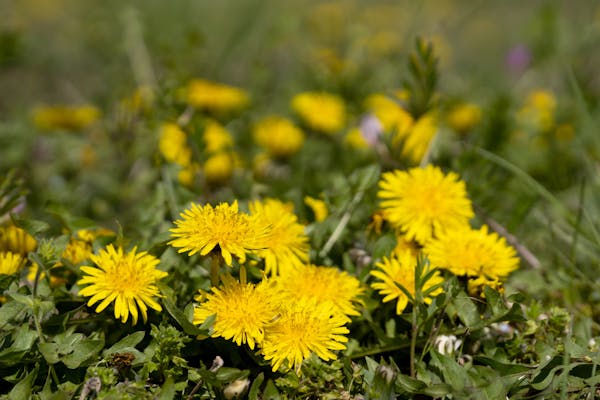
x: 472, y: 252
x: 242, y: 310
x: 389, y: 112
x: 355, y: 139
x: 423, y: 202
x: 463, y: 117
x: 215, y: 97
x: 279, y: 136
x: 216, y: 137
x: 286, y: 244
x: 10, y: 263
x: 218, y: 168
x: 79, y: 247
x: 69, y: 118
x: 222, y: 229
x: 187, y: 175
x: 127, y: 279
x: 323, y: 112
x: 538, y: 111
x: 399, y: 270
x: 323, y: 284
x: 416, y: 141
x: 302, y: 328
x: 318, y: 207
x: 16, y: 240
x: 173, y: 144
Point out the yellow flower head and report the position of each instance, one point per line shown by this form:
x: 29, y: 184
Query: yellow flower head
x: 416, y: 140
x: 321, y: 111
x: 279, y: 136
x: 79, y: 248
x: 397, y: 270
x: 16, y: 240
x: 422, y: 202
x: 473, y: 252
x: 216, y: 137
x: 318, y: 207
x: 173, y: 145
x: 464, y: 117
x: 215, y: 97
x: 302, y: 328
x: 355, y: 139
x: 10, y: 263
x: 242, y: 310
x: 127, y: 279
x: 324, y: 284
x: 287, y: 244
x: 218, y: 168
x: 69, y: 118
x: 186, y: 175
x: 538, y: 111
x: 223, y: 229
x: 388, y: 111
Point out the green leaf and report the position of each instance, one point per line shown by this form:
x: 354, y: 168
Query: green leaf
x: 271, y: 392
x: 502, y: 368
x: 82, y: 352
x: 127, y: 342
x: 409, y: 384
x: 454, y: 374
x: 253, y: 392
x: 367, y: 177
x: 31, y: 226
x: 227, y: 374
x: 49, y: 352
x: 182, y: 320
x: 22, y: 390
x: 494, y: 300
x: 466, y: 310
x: 167, y: 391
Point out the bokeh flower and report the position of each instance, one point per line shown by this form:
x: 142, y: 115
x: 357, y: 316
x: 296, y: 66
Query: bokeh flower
x: 216, y: 138
x: 473, y: 252
x: 463, y: 117
x: 173, y: 144
x: 218, y: 168
x: 242, y: 310
x: 215, y: 97
x: 279, y: 136
x: 16, y: 240
x: 302, y: 328
x: 222, y: 229
x: 286, y: 243
x: 10, y: 263
x: 324, y: 284
x: 394, y: 119
x: 422, y: 202
x: 127, y: 279
x: 399, y: 270
x: 318, y: 207
x: 323, y: 112
x: 62, y: 117
x: 414, y: 142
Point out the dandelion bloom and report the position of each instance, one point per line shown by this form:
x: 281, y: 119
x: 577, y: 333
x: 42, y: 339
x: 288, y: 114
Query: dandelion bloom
x: 223, y: 229
x: 16, y: 240
x: 173, y: 144
x: 318, y: 207
x: 127, y: 279
x: 216, y: 138
x: 421, y: 202
x: 324, y: 284
x: 463, y: 117
x: 286, y: 243
x: 399, y: 270
x: 473, y: 252
x: 393, y: 118
x: 79, y: 247
x: 302, y: 328
x: 242, y: 310
x: 215, y: 97
x: 69, y: 118
x: 218, y: 168
x: 10, y: 263
x: 323, y: 112
x: 279, y: 136
x: 415, y: 141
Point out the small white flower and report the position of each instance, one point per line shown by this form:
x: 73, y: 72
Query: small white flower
x: 447, y: 344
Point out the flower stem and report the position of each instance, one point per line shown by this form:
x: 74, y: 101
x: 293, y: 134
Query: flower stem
x: 413, y: 341
x: 215, y: 264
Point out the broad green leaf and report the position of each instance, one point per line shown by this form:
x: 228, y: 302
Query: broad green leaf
x: 454, y: 374
x: 82, y: 352
x: 226, y: 374
x: 182, y: 320
x: 271, y: 392
x: 466, y: 310
x: 409, y: 384
x: 254, y: 389
x: 502, y: 368
x: 22, y: 390
x: 50, y: 352
x: 128, y: 341
x: 167, y: 392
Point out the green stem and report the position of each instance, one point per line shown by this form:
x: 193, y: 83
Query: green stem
x: 215, y: 264
x: 413, y: 341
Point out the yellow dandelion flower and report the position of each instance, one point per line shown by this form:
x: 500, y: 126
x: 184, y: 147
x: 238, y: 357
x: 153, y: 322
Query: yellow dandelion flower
x: 173, y: 145
x: 388, y: 111
x: 242, y: 310
x: 473, y: 252
x: 216, y: 137
x: 218, y: 168
x: 318, y: 207
x: 403, y: 245
x: 323, y: 112
x: 421, y: 202
x: 538, y: 111
x: 415, y: 141
x: 10, y: 263
x: 223, y: 229
x: 324, y: 284
x: 215, y: 97
x: 302, y: 328
x: 69, y: 118
x: 399, y: 270
x: 287, y: 244
x: 463, y: 117
x: 475, y: 285
x: 355, y: 139
x: 79, y: 247
x: 128, y: 280
x: 279, y: 136
x: 16, y: 240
